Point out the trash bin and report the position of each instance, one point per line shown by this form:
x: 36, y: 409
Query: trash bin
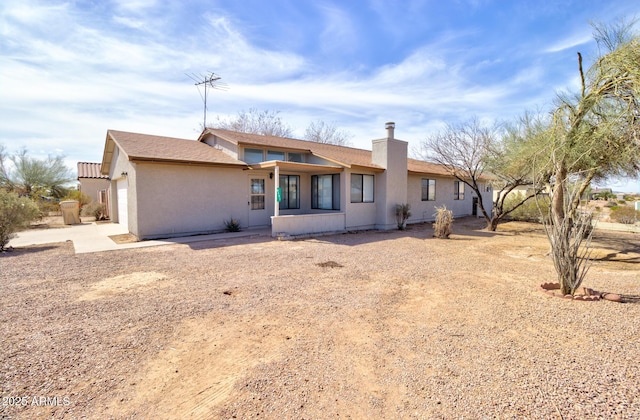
x: 70, y: 212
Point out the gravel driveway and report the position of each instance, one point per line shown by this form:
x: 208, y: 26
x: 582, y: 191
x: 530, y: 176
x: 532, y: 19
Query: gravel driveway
x: 364, y: 325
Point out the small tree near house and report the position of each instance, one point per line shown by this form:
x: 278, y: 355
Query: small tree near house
x: 476, y: 154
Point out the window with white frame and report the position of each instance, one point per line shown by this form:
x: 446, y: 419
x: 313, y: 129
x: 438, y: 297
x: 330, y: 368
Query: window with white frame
x: 325, y: 192
x: 361, y: 188
x: 290, y: 187
x: 458, y: 190
x: 428, y: 189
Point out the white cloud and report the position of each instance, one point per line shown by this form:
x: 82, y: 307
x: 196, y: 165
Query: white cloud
x: 419, y: 66
x: 573, y: 40
x: 338, y: 35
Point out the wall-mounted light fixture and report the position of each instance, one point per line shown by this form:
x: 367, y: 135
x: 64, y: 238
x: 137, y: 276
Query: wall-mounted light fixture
x: 123, y: 173
x: 270, y: 175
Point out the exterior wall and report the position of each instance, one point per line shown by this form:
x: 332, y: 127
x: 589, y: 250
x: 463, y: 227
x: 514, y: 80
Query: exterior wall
x: 92, y: 187
x: 181, y: 200
x: 359, y: 216
x: 229, y: 148
x: 120, y: 164
x: 422, y: 211
x: 522, y: 189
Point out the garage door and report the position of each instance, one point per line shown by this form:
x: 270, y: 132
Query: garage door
x: 122, y: 202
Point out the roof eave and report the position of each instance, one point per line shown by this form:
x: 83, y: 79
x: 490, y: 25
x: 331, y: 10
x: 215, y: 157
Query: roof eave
x: 140, y: 159
x: 107, y: 155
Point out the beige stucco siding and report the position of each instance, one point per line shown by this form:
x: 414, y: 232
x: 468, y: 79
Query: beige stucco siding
x: 226, y: 146
x: 119, y: 165
x: 425, y: 210
x: 182, y: 199
x: 359, y: 216
x: 92, y: 187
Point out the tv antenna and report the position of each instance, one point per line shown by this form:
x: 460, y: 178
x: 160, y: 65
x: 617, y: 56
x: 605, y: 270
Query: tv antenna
x: 208, y: 80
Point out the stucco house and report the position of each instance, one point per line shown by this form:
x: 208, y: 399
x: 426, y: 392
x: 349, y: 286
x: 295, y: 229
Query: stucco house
x: 94, y: 183
x: 163, y: 187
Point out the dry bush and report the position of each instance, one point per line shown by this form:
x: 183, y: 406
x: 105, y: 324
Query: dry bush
x: 443, y: 224
x: 403, y: 213
x: 625, y: 214
x: 570, y: 240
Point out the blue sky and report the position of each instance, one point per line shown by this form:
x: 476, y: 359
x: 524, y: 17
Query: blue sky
x: 71, y: 70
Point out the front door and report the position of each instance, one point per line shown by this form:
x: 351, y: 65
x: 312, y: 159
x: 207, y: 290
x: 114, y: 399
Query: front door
x: 259, y: 213
x: 474, y: 209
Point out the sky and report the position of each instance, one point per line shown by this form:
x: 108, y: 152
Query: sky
x: 71, y: 70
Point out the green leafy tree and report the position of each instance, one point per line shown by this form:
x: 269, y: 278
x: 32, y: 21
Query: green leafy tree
x: 593, y: 134
x: 16, y: 213
x: 34, y: 177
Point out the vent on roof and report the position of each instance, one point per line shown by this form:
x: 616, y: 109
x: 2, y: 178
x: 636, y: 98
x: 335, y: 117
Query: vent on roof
x: 390, y: 126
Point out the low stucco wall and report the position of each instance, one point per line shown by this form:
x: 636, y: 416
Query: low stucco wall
x: 307, y: 224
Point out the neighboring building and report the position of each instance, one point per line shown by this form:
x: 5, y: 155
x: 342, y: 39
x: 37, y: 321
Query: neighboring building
x: 94, y: 183
x: 163, y: 187
x: 596, y: 191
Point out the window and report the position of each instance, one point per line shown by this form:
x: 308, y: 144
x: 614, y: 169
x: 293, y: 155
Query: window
x: 361, y: 188
x: 325, y: 192
x: 257, y: 194
x: 428, y: 189
x: 458, y: 190
x: 290, y: 187
x: 253, y: 155
x: 274, y: 155
x: 294, y: 157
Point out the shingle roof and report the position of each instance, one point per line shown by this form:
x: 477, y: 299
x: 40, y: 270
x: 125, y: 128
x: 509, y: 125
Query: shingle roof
x: 347, y: 156
x: 90, y: 170
x: 422, y: 167
x: 144, y: 147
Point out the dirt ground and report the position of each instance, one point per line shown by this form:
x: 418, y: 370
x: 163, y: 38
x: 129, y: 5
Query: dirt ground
x: 360, y: 325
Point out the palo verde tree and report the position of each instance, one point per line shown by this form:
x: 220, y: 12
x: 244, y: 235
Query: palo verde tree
x: 34, y: 177
x: 476, y: 154
x: 593, y: 134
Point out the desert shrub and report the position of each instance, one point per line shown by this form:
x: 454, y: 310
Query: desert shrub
x: 79, y: 196
x: 16, y: 213
x: 604, y: 196
x: 530, y: 211
x: 232, y: 225
x: 625, y: 214
x: 47, y: 206
x: 94, y: 209
x: 443, y: 224
x: 403, y: 213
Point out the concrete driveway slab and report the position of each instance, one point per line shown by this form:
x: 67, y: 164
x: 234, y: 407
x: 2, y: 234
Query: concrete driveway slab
x: 95, y: 237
